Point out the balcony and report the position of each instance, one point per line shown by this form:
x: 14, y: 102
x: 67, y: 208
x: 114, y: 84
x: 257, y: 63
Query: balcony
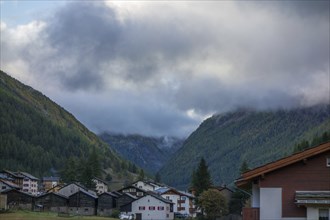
x: 251, y: 214
x: 181, y: 201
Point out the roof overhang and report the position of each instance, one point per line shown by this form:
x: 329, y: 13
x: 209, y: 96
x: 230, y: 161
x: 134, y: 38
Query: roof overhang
x: 313, y: 198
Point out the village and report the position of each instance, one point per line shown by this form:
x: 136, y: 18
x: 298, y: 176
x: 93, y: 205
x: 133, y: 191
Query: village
x: 295, y: 186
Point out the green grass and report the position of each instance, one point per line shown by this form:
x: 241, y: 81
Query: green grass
x: 28, y: 215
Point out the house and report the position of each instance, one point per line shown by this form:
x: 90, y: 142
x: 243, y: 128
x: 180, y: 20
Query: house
x: 6, y: 184
x: 133, y: 190
x: 18, y: 199
x: 100, y: 185
x: 52, y: 202
x: 71, y: 188
x: 295, y: 187
x: 147, y: 185
x: 50, y: 182
x: 13, y: 177
x: 124, y: 199
x: 82, y: 203
x: 150, y: 206
x: 30, y: 183
x: 183, y: 202
x: 106, y: 203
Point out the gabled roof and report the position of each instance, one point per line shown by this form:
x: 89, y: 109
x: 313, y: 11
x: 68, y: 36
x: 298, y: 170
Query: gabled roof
x: 131, y: 186
x: 98, y: 179
x: 56, y: 194
x: 51, y: 178
x: 165, y: 190
x: 110, y: 194
x: 286, y: 161
x: 16, y: 175
x: 18, y: 191
x: 75, y: 183
x: 27, y: 175
x: 86, y: 193
x: 10, y: 184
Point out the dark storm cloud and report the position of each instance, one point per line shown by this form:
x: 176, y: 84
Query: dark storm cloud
x: 91, y: 35
x: 161, y: 68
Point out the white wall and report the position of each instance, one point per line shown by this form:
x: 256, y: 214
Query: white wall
x: 147, y: 214
x: 174, y: 199
x: 144, y: 186
x: 270, y: 203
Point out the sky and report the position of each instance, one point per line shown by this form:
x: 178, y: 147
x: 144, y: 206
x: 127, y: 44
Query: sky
x: 159, y: 68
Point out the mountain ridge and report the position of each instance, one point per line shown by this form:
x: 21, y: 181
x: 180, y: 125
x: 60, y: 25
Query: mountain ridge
x: 38, y: 136
x: 226, y: 140
x: 149, y: 153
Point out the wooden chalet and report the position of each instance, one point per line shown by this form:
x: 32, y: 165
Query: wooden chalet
x: 106, y: 203
x: 125, y: 199
x: 18, y: 199
x: 295, y: 187
x: 52, y: 202
x: 83, y: 203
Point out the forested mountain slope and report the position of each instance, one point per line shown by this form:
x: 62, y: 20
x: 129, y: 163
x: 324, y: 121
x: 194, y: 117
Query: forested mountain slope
x: 38, y: 136
x: 258, y: 137
x: 149, y: 153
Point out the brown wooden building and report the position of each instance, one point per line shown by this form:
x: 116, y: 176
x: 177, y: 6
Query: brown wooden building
x: 18, y: 199
x: 106, y: 203
x: 297, y: 186
x: 52, y: 202
x: 83, y: 203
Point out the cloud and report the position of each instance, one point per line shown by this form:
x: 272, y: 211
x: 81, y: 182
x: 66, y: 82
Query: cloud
x: 160, y: 67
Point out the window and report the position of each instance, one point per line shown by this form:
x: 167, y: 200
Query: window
x: 328, y: 162
x: 167, y: 197
x: 152, y: 208
x: 125, y: 190
x: 139, y: 194
x: 160, y: 208
x: 183, y: 198
x: 142, y: 208
x: 132, y: 190
x: 323, y: 214
x: 3, y: 187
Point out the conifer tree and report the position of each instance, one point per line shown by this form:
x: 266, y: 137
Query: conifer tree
x: 201, y: 178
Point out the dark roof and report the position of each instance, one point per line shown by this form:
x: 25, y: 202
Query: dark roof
x: 16, y: 175
x: 56, y: 194
x: 75, y: 183
x: 51, y: 178
x: 131, y: 186
x: 312, y: 197
x: 25, y: 174
x: 117, y: 193
x: 10, y: 184
x: 157, y: 197
x: 15, y: 190
x: 101, y: 180
x: 86, y: 193
x: 110, y: 194
x: 286, y: 161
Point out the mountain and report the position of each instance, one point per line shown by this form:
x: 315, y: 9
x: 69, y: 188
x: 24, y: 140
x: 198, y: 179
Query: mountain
x: 38, y: 136
x: 149, y: 153
x: 257, y: 137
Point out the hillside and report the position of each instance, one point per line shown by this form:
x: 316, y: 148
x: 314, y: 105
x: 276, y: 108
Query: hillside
x: 258, y: 137
x: 149, y: 153
x: 38, y: 136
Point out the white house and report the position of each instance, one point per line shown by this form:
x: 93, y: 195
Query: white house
x: 147, y: 185
x: 100, y: 185
x: 150, y: 207
x: 30, y: 183
x: 183, y: 201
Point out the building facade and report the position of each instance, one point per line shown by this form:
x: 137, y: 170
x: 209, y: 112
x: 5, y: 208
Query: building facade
x: 296, y: 187
x: 150, y: 207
